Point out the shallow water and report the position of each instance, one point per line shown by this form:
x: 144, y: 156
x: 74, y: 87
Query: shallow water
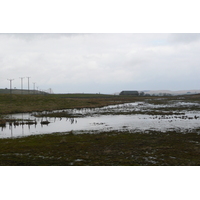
x: 98, y: 121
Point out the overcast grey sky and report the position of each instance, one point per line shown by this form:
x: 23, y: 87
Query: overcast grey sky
x: 105, y: 63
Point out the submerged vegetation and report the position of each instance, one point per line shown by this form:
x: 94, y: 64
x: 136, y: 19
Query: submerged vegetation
x: 33, y: 103
x: 36, y: 103
x: 104, y: 148
x: 10, y: 104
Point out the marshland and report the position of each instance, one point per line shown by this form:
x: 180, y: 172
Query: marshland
x: 95, y: 129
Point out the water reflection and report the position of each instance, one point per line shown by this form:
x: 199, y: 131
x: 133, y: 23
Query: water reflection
x: 25, y: 127
x: 11, y: 130
x: 22, y: 129
x: 99, y: 122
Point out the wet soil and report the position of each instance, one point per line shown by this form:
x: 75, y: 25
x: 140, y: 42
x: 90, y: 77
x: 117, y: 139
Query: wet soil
x: 103, y: 149
x: 112, y: 148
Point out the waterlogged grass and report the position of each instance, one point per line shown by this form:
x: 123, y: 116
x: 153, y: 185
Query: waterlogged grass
x: 103, y: 149
x: 77, y: 115
x: 163, y: 106
x: 32, y: 103
x: 36, y: 103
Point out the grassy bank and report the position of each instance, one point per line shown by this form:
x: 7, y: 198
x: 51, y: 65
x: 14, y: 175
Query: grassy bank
x: 113, y: 148
x: 104, y: 149
x: 29, y: 103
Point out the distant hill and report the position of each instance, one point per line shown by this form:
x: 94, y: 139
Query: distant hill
x: 179, y: 92
x: 157, y: 92
x: 16, y: 91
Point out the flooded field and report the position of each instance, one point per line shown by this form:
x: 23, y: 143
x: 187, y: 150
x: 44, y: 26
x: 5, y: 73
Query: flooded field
x: 139, y: 117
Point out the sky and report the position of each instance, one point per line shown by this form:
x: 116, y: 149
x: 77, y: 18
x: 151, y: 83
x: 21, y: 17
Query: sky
x: 100, y: 63
x: 131, y: 45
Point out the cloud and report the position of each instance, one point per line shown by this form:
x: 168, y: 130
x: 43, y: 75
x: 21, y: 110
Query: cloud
x: 184, y: 37
x: 103, y: 63
x: 42, y: 36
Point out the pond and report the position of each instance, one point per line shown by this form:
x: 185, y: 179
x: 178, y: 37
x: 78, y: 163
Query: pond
x: 132, y: 117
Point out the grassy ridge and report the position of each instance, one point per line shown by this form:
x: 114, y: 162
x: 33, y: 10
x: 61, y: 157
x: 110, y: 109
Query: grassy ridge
x: 29, y: 103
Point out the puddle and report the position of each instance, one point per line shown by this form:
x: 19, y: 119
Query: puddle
x: 106, y: 119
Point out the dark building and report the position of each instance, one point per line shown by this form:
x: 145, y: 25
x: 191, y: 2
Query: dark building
x: 132, y: 93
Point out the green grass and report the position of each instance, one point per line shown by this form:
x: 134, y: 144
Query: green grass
x: 29, y: 103
x: 113, y: 148
x: 104, y: 149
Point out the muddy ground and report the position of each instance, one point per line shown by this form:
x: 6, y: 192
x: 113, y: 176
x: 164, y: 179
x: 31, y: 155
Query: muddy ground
x: 114, y: 148
x: 104, y: 149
